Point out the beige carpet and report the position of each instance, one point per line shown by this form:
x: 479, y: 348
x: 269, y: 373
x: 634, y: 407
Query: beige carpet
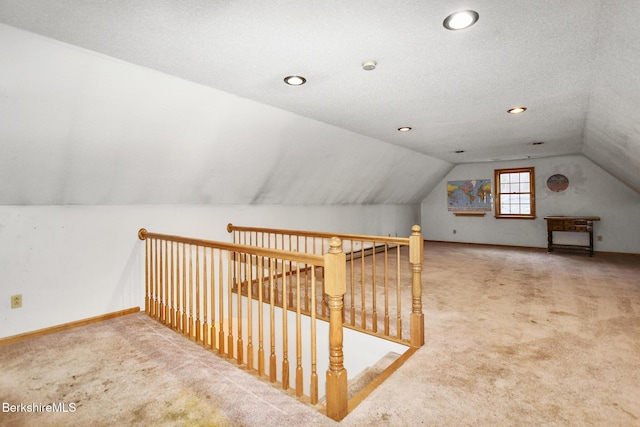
x: 514, y: 337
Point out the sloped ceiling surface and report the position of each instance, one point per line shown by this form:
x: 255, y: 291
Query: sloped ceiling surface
x: 612, y: 131
x: 80, y: 128
x: 85, y: 128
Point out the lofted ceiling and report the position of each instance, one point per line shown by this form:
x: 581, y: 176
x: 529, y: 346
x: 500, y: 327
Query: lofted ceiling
x: 574, y: 64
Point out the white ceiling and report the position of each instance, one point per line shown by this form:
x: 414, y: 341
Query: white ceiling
x: 575, y: 64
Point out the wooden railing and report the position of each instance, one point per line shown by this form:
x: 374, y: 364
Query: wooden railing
x: 384, y: 285
x: 246, y: 303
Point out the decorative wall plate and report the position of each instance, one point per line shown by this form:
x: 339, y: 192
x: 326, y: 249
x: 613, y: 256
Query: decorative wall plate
x: 557, y: 183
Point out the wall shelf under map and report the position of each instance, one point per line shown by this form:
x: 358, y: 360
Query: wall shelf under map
x: 469, y: 213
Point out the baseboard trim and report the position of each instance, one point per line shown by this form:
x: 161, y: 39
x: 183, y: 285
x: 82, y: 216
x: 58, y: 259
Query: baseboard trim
x: 495, y: 245
x: 45, y: 331
x: 536, y: 248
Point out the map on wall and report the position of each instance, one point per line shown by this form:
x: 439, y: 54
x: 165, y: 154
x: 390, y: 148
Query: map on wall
x: 472, y: 195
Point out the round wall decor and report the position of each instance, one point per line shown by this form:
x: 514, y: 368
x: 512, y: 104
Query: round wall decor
x: 557, y: 183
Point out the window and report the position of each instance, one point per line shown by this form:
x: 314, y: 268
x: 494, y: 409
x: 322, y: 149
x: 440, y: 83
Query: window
x: 515, y: 193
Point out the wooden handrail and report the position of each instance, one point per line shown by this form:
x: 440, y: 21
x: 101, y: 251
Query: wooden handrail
x: 306, y: 233
x: 301, y: 257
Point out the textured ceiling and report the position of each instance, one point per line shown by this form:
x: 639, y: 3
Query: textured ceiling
x: 575, y: 65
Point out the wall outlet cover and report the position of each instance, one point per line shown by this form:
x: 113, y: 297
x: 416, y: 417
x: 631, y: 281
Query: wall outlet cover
x: 16, y: 301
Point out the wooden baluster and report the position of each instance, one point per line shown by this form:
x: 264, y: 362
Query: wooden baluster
x: 160, y: 283
x: 156, y: 303
x: 324, y: 305
x: 352, y: 296
x: 416, y: 258
x: 169, y: 285
x: 205, y: 300
x: 192, y: 323
x: 185, y: 290
x: 290, y: 293
x: 259, y: 243
x: 249, y: 276
x: 277, y: 286
x: 239, y: 343
x: 272, y: 358
x: 152, y: 271
x: 260, y: 318
x: 304, y: 291
x: 221, y: 303
x: 313, y: 393
x: 178, y: 293
x: 374, y: 312
x: 267, y: 283
x: 290, y: 287
x: 398, y: 296
x: 363, y: 299
x: 156, y: 275
x: 185, y: 326
x: 165, y: 281
x: 212, y: 337
x: 230, y: 283
x: 335, y: 278
x: 285, y: 337
x: 386, y: 290
x: 299, y: 377
x: 175, y: 321
x: 306, y: 278
x: 255, y: 273
x: 196, y: 325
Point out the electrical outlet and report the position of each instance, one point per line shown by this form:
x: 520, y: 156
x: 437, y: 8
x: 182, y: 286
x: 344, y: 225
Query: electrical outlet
x: 599, y: 238
x: 454, y: 231
x: 16, y: 301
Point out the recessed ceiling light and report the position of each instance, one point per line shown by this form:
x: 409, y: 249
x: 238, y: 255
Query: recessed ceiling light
x: 295, y: 80
x: 369, y: 65
x: 404, y: 129
x: 517, y: 110
x: 460, y: 20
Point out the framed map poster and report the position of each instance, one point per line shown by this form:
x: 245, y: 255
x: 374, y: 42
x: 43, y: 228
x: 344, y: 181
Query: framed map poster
x: 470, y: 196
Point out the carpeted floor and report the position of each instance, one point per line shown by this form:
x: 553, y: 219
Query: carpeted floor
x: 513, y: 337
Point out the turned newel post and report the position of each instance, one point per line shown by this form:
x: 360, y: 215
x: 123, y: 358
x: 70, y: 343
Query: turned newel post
x: 335, y: 279
x: 416, y: 257
x: 142, y: 235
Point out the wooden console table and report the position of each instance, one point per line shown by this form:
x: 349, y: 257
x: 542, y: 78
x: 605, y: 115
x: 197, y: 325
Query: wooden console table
x: 582, y: 224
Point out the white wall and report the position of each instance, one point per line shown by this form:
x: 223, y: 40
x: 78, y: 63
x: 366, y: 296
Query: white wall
x: 592, y: 191
x: 74, y: 262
